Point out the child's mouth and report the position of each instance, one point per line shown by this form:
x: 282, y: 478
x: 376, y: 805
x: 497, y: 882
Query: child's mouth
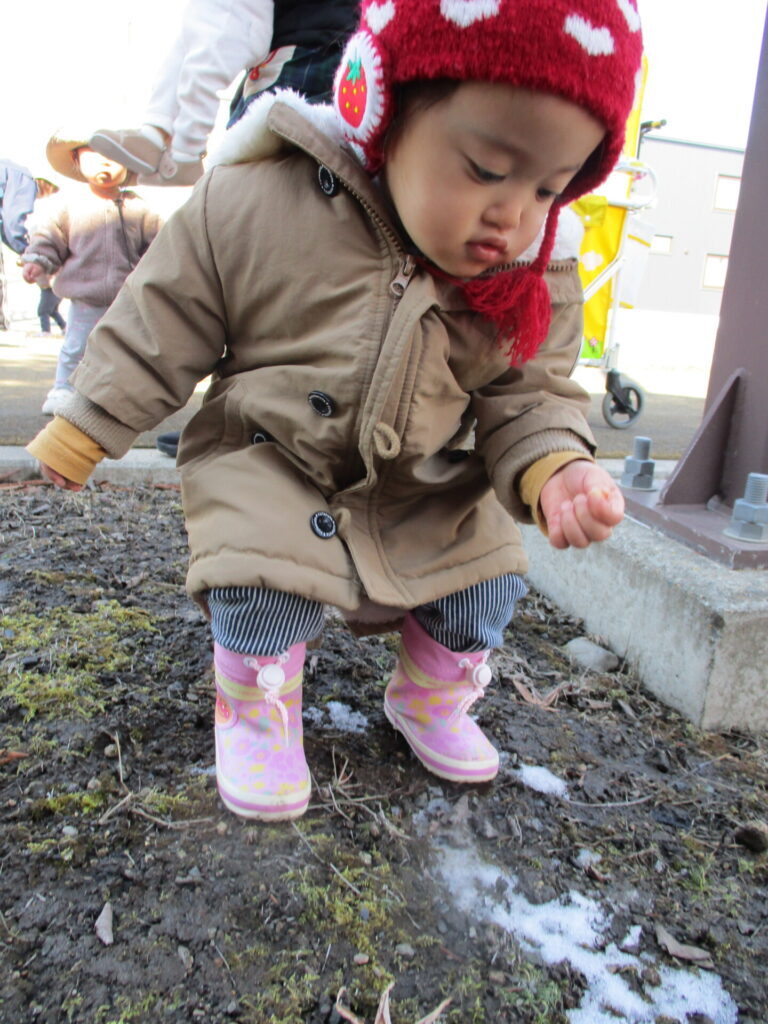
x: 487, y: 251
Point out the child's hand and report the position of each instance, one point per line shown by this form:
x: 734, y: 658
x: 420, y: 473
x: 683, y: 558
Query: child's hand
x: 31, y: 271
x: 581, y: 504
x: 58, y: 479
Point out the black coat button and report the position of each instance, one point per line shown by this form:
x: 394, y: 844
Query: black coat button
x: 327, y: 180
x: 323, y: 525
x: 260, y: 436
x: 322, y: 404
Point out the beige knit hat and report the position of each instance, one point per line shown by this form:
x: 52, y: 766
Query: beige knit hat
x: 60, y: 151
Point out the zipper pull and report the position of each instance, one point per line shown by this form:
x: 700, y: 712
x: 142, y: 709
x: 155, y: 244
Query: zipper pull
x: 403, y: 279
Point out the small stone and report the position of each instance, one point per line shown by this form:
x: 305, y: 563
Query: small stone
x: 366, y: 858
x: 93, y: 784
x: 753, y: 835
x: 69, y: 831
x: 651, y: 976
x: 222, y: 828
x: 110, y: 750
x: 497, y: 977
x: 405, y: 949
x: 360, y: 959
x: 590, y: 655
x: 186, y: 957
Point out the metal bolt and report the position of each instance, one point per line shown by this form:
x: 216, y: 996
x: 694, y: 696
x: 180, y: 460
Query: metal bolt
x: 749, y: 520
x: 638, y: 467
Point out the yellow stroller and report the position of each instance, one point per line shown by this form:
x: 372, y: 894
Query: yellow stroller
x: 611, y: 264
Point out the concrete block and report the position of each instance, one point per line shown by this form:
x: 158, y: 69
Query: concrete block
x: 694, y: 631
x: 139, y: 466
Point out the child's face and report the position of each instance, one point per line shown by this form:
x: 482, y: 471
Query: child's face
x: 98, y: 170
x: 473, y: 176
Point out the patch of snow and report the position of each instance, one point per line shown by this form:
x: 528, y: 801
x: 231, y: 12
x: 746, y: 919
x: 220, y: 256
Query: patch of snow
x: 342, y: 717
x: 542, y: 780
x: 573, y: 929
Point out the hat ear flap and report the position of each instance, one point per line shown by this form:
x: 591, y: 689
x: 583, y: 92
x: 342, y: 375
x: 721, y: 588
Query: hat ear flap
x: 362, y: 97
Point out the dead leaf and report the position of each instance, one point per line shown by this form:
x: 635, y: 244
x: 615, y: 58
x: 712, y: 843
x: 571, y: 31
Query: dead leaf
x: 382, y: 1012
x: 695, y: 955
x: 531, y: 697
x: 6, y: 756
x: 104, y: 925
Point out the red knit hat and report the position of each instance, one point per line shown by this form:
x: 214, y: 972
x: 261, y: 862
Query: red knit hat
x: 586, y: 51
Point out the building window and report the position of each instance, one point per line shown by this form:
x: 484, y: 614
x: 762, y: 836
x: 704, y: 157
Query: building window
x: 727, y: 192
x: 661, y: 244
x: 715, y: 269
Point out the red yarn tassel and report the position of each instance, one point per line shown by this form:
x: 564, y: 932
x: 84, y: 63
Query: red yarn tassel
x: 517, y: 301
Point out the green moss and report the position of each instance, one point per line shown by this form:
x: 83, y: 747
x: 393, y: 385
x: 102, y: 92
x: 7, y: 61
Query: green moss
x: 83, y: 803
x: 74, y: 651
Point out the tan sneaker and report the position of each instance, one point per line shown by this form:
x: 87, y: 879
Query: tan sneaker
x: 129, y: 148
x: 174, y: 172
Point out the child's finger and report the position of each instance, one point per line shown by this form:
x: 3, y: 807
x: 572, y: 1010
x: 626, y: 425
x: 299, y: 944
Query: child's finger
x: 573, y: 531
x: 606, y: 504
x: 594, y: 528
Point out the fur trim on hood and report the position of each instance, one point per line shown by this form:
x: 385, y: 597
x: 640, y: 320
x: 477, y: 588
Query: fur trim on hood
x: 250, y: 139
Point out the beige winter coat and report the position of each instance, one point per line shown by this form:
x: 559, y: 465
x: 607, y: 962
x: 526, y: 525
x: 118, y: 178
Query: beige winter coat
x: 341, y: 387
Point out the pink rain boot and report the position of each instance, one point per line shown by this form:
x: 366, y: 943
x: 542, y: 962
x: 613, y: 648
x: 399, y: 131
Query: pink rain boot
x: 427, y: 699
x: 261, y: 771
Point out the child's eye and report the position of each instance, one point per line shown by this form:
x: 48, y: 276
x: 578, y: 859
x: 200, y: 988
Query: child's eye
x: 545, y: 194
x: 483, y: 174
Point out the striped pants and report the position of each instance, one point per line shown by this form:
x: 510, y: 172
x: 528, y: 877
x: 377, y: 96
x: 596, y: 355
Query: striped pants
x: 264, y: 623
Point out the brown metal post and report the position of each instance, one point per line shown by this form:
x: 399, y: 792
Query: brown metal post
x: 732, y: 440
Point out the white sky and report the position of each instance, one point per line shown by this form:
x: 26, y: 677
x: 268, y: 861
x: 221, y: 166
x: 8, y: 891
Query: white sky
x: 78, y: 63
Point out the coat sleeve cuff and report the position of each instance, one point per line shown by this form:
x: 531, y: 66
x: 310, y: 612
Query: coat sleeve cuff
x: 66, y: 449
x: 534, y: 478
x: 112, y: 435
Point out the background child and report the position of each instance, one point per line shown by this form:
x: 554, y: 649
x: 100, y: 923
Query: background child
x: 283, y: 44
x: 18, y: 191
x: 48, y: 306
x: 362, y: 309
x: 91, y: 244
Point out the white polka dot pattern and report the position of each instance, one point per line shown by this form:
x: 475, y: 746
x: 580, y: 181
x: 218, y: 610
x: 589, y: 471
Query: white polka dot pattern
x: 379, y: 15
x: 467, y: 12
x: 598, y: 42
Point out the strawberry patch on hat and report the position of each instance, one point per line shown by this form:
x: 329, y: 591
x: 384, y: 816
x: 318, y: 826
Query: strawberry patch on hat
x: 358, y: 90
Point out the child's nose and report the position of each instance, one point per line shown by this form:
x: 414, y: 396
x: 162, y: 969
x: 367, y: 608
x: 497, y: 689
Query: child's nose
x: 506, y: 213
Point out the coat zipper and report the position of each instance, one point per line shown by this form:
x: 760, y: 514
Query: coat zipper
x: 403, y: 279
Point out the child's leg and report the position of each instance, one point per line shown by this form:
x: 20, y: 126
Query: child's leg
x: 56, y: 316
x: 441, y: 672
x: 44, y: 310
x: 82, y: 319
x: 259, y: 643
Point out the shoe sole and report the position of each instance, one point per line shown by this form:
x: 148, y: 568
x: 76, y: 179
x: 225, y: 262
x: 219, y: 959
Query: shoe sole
x: 113, y: 151
x: 444, y: 768
x: 254, y: 812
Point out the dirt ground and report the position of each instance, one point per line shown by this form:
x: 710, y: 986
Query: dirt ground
x: 615, y: 871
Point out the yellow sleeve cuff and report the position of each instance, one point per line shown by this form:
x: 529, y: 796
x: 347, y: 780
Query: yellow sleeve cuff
x: 66, y: 449
x: 538, y: 473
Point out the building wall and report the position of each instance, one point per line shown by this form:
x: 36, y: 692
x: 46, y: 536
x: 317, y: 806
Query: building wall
x: 686, y: 220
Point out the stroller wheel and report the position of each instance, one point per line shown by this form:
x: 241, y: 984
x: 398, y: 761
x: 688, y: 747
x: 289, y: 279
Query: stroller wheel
x: 623, y: 406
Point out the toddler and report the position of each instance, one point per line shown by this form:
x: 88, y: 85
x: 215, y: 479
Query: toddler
x: 367, y: 284
x: 91, y: 244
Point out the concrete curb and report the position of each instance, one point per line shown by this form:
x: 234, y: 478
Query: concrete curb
x: 149, y: 466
